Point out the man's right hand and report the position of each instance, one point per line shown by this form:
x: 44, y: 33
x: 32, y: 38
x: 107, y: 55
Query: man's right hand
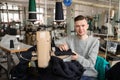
x: 63, y: 47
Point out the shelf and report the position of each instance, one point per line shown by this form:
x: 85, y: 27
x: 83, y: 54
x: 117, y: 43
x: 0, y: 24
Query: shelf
x: 9, y: 22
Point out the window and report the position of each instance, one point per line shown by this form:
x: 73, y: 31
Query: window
x: 40, y: 15
x: 11, y: 14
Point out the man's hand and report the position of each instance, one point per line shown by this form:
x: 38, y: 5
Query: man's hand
x: 63, y: 47
x: 74, y: 57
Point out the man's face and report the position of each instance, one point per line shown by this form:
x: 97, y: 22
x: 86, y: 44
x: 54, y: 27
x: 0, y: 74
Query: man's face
x: 81, y: 27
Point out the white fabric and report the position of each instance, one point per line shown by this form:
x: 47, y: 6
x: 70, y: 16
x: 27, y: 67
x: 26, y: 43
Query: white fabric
x: 110, y: 29
x: 6, y: 39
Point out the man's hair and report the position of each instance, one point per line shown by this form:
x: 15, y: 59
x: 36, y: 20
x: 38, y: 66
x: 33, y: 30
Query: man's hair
x: 79, y: 17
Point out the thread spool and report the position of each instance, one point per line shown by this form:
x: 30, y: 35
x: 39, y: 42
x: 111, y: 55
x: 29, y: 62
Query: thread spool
x: 11, y: 44
x: 59, y: 12
x: 112, y: 13
x: 32, y: 11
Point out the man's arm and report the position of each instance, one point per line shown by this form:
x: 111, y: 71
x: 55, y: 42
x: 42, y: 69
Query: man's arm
x: 92, y: 55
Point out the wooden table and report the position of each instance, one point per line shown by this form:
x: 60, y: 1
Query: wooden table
x: 102, y: 35
x: 17, y: 48
x: 112, y: 40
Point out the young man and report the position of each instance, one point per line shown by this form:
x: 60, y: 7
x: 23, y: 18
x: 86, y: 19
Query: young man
x: 85, y: 47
